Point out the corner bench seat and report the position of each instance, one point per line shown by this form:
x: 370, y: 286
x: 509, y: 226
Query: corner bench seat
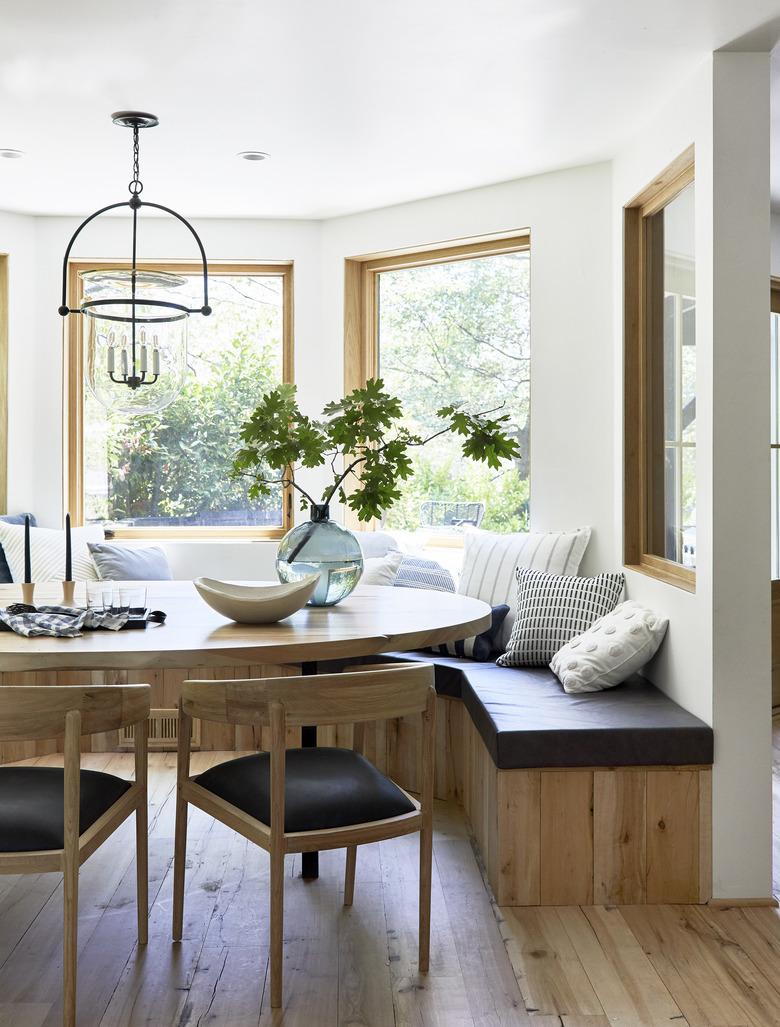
x: 526, y: 720
x: 598, y: 798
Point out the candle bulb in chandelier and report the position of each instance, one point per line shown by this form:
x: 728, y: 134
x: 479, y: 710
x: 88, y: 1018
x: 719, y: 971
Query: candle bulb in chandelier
x: 68, y: 550
x: 27, y: 553
x: 144, y: 359
x: 155, y: 358
x: 124, y: 362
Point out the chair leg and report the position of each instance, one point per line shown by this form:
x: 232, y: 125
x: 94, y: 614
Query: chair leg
x: 142, y: 871
x: 70, y: 884
x: 349, y: 875
x: 426, y: 854
x: 277, y: 927
x: 179, y: 858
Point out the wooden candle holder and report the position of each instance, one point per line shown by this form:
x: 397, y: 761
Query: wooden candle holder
x: 28, y: 592
x: 68, y: 589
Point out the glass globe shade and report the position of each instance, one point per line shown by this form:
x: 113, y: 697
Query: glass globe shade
x: 134, y: 367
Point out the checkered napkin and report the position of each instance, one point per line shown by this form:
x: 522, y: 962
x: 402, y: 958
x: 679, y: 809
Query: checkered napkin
x: 61, y: 621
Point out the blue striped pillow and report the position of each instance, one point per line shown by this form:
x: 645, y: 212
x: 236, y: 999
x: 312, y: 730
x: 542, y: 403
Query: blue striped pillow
x: 480, y: 647
x: 415, y: 572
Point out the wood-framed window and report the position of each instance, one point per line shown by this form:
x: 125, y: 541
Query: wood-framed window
x: 166, y: 475
x: 660, y: 377
x: 443, y: 324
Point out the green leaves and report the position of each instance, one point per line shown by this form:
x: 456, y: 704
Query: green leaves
x: 365, y: 430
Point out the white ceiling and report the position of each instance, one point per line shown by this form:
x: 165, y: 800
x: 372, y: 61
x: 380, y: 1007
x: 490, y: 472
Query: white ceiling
x: 362, y: 103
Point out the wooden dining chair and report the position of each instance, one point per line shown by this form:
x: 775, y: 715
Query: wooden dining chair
x: 304, y: 800
x: 53, y: 818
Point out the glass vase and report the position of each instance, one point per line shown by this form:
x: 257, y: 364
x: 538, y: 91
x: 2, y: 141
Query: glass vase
x: 323, y: 547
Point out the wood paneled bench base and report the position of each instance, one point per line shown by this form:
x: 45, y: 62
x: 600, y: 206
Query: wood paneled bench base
x: 617, y: 835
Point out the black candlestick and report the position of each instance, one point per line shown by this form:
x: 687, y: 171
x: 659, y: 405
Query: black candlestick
x: 68, y: 552
x: 27, y: 555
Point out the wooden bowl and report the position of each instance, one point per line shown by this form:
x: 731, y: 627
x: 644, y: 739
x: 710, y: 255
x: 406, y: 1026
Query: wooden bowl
x: 256, y: 604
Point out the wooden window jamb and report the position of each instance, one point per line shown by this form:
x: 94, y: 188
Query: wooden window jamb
x: 643, y: 376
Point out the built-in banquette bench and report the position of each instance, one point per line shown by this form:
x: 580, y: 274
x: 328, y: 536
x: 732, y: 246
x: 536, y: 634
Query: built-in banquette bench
x: 602, y: 797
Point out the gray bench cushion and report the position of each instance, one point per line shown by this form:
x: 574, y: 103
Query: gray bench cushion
x: 527, y: 720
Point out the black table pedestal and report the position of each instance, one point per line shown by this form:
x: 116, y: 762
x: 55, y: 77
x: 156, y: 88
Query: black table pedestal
x: 310, y: 861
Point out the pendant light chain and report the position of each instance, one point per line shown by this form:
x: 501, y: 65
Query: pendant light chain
x: 136, y: 185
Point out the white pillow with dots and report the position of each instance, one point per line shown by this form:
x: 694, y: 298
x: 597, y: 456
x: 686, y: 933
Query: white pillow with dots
x: 611, y: 650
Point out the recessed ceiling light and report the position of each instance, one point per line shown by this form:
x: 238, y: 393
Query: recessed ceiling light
x: 253, y: 155
x: 10, y: 154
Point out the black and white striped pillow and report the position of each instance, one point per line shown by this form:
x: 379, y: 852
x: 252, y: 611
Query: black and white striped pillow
x: 490, y: 561
x: 480, y: 647
x: 552, y: 609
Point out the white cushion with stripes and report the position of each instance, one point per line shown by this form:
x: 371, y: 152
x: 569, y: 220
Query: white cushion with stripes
x: 490, y: 562
x: 554, y: 608
x: 47, y: 548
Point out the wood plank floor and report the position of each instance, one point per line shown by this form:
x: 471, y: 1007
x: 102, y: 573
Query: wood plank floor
x: 599, y: 966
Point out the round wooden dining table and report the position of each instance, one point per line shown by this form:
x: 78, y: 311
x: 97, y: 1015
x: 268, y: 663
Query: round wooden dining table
x: 373, y: 620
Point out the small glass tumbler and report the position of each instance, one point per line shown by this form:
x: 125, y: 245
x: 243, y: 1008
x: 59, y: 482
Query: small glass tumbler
x: 133, y: 599
x: 94, y: 595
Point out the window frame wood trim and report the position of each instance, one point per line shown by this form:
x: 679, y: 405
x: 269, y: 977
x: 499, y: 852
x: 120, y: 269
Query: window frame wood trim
x: 637, y: 369
x: 73, y: 364
x: 361, y: 324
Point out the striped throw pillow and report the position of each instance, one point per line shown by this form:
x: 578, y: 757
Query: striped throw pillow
x: 415, y: 572
x: 47, y: 548
x: 480, y: 647
x: 490, y: 562
x: 554, y: 608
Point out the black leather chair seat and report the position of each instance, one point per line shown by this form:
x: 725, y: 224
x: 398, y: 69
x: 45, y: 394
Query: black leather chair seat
x: 324, y: 788
x: 527, y: 720
x: 32, y: 811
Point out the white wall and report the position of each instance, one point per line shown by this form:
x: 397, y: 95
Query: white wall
x: 716, y: 659
x: 568, y: 214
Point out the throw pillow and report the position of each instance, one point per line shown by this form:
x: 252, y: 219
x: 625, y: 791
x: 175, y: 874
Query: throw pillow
x: 128, y: 563
x: 5, y: 571
x: 381, y: 570
x: 47, y: 547
x: 375, y: 543
x: 611, y: 650
x: 552, y: 609
x: 478, y: 647
x: 416, y: 572
x: 490, y: 562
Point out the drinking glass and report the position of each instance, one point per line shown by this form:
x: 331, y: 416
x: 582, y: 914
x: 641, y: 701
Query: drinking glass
x: 133, y: 599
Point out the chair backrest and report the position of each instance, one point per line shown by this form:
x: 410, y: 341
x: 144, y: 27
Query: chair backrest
x: 348, y: 698
x: 30, y: 712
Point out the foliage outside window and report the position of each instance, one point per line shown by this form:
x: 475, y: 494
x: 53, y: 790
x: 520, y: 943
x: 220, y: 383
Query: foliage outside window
x: 660, y: 403
x: 168, y: 473
x: 456, y: 330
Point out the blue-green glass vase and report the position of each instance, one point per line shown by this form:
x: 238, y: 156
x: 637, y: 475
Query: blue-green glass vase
x: 323, y: 547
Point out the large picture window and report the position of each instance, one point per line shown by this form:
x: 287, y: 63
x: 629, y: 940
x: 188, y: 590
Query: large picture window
x: 167, y: 473
x: 660, y: 368
x: 445, y: 326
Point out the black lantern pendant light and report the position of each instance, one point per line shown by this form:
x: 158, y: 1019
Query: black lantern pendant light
x: 135, y: 321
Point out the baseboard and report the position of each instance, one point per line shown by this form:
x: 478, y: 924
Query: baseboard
x: 745, y: 903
